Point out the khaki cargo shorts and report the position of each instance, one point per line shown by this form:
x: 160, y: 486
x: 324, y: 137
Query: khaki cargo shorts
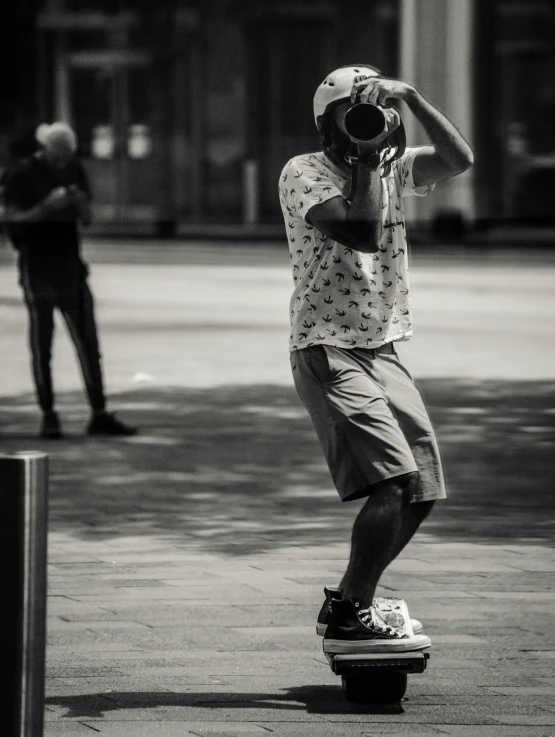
x: 369, y: 417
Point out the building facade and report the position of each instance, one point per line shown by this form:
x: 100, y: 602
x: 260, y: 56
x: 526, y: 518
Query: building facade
x: 186, y: 111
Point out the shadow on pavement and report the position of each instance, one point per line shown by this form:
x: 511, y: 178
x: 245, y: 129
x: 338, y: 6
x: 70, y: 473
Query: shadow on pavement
x: 311, y: 699
x: 239, y: 468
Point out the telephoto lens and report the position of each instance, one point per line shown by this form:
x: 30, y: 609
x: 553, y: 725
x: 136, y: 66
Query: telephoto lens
x: 364, y: 122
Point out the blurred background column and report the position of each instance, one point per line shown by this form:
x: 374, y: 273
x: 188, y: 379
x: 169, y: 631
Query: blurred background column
x: 436, y: 48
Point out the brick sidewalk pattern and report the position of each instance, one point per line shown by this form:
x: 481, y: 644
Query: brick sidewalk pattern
x: 149, y: 637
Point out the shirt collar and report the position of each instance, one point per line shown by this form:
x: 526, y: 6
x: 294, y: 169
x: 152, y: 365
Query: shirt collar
x: 335, y: 169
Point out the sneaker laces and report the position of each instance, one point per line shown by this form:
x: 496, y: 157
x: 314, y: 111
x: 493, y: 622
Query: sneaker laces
x: 371, y: 618
x: 389, y: 612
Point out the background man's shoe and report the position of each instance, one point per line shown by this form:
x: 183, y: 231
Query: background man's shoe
x: 50, y: 427
x: 106, y: 423
x: 353, y: 629
x: 381, y: 604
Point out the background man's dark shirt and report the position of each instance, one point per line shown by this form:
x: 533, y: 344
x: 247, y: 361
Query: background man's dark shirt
x: 49, y: 249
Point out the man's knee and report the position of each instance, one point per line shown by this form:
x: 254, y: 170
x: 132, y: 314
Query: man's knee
x: 403, y: 487
x: 409, y: 483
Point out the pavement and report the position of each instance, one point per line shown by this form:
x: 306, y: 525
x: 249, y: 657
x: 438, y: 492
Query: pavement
x: 482, y: 233
x: 186, y: 565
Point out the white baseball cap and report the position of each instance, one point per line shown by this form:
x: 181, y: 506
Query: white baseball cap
x: 338, y: 85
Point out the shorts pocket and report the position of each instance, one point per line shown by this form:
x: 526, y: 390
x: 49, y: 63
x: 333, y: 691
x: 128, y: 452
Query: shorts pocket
x: 319, y: 363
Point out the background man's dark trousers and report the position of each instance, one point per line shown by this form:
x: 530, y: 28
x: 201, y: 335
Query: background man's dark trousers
x: 77, y: 309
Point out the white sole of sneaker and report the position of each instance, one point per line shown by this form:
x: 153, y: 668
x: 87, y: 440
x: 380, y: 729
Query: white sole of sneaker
x: 417, y: 627
x: 348, y: 647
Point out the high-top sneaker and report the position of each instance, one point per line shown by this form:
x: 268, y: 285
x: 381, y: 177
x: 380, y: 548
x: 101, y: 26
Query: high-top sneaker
x: 330, y: 592
x: 381, y: 604
x: 354, y: 629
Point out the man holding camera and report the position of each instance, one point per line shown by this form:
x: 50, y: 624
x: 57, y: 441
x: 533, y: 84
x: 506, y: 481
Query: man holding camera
x: 344, y: 215
x: 46, y: 197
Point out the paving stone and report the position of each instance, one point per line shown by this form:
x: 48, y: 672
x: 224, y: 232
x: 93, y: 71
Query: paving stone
x: 225, y: 730
x: 63, y: 729
x: 90, y: 684
x: 494, y: 731
x: 539, y: 654
x: 419, y: 595
x: 526, y: 720
x: 486, y: 703
x: 420, y: 714
x: 455, y: 566
x: 240, y: 712
x: 207, y: 592
x: 454, y: 663
x: 61, y: 625
x: 539, y: 596
x: 305, y: 631
x: 459, y: 639
x: 177, y: 729
x: 83, y: 671
x: 539, y: 691
x: 534, y: 565
x: 323, y: 729
x: 95, y: 706
x: 71, y: 639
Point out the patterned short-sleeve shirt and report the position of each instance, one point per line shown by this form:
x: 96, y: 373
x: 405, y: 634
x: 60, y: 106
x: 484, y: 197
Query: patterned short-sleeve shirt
x: 343, y: 297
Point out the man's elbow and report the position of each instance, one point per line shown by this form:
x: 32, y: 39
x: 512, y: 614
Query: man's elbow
x: 360, y: 235
x: 466, y: 161
x: 368, y: 237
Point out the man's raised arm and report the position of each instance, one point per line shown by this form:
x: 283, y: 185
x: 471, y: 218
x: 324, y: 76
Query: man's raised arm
x: 449, y: 154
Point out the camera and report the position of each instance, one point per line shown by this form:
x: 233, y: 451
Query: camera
x: 364, y: 122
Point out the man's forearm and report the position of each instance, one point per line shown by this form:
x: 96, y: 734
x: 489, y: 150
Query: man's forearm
x: 85, y: 212
x: 365, y: 211
x: 33, y: 215
x: 447, y: 140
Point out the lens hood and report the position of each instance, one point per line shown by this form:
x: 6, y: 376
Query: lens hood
x: 365, y: 122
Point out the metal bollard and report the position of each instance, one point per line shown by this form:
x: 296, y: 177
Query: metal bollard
x: 23, y: 532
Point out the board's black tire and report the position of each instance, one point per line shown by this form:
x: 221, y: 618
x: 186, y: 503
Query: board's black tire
x: 382, y: 688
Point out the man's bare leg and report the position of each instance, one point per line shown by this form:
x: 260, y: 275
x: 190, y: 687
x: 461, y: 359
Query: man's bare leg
x: 413, y: 516
x: 383, y: 527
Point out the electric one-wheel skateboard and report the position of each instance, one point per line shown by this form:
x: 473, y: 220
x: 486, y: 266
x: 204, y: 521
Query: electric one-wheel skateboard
x: 380, y: 677
x: 377, y: 678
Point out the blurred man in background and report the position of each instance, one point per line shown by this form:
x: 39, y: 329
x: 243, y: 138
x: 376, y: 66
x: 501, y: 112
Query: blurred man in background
x: 47, y: 196
x: 344, y: 215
